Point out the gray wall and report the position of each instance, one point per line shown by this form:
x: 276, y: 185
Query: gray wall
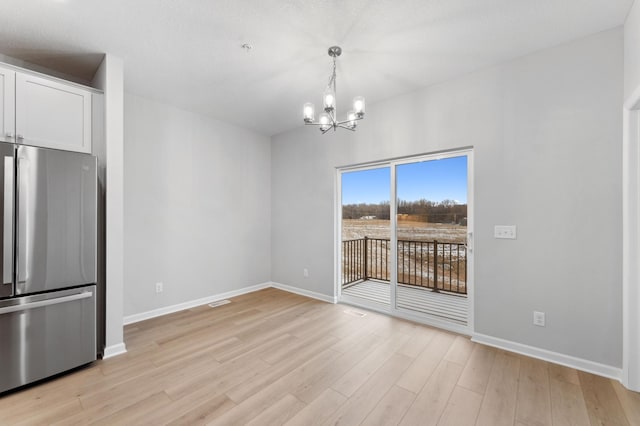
x: 196, y: 206
x: 546, y: 132
x: 631, y: 52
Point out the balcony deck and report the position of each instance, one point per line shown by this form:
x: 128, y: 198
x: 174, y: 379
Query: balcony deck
x: 452, y: 307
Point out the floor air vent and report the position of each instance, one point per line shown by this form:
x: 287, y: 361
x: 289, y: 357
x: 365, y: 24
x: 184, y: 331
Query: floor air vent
x: 219, y: 303
x: 354, y: 313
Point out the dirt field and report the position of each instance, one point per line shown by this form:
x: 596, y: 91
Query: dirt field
x: 407, y: 230
x: 418, y: 263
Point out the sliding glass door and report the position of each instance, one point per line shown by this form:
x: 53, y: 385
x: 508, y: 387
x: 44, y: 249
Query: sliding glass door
x: 431, y: 228
x: 404, y: 238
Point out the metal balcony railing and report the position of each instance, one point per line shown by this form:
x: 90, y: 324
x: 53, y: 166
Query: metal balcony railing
x: 429, y: 264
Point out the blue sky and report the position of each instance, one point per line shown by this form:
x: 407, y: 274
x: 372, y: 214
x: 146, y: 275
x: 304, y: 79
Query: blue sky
x: 433, y: 180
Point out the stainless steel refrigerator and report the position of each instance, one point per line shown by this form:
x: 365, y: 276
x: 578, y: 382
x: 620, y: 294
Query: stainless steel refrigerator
x: 48, y: 291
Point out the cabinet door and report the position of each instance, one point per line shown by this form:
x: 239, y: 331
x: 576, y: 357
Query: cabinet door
x: 7, y: 104
x: 51, y: 114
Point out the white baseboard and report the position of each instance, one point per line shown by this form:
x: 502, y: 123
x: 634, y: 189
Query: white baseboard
x: 192, y: 303
x: 554, y: 357
x: 114, y: 350
x: 302, y: 292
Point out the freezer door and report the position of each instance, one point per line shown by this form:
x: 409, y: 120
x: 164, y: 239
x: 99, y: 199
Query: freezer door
x: 7, y: 154
x: 46, y: 334
x: 56, y: 219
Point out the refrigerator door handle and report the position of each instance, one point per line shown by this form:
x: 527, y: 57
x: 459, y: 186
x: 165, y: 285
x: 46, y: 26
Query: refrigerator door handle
x: 47, y: 302
x: 22, y: 222
x: 7, y: 221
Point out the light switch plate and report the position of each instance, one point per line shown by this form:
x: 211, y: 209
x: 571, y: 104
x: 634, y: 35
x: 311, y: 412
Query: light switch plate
x: 507, y: 232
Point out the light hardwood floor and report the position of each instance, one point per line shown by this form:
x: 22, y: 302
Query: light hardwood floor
x: 272, y: 357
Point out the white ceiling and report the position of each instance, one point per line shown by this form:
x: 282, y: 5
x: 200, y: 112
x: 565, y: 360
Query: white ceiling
x: 188, y: 53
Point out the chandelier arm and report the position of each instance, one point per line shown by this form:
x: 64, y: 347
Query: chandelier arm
x: 315, y: 123
x: 342, y: 126
x: 349, y: 121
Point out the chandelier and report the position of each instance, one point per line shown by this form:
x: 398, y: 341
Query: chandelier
x: 327, y: 120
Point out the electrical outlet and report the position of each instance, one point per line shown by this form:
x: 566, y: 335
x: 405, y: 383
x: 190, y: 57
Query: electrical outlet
x: 158, y: 287
x: 538, y: 318
x: 507, y: 232
x: 305, y: 273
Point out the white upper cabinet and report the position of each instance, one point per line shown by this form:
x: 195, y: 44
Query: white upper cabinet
x: 52, y: 114
x: 7, y: 105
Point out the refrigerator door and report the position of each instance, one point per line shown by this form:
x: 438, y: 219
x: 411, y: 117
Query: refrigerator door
x: 56, y: 219
x: 7, y: 155
x: 46, y: 334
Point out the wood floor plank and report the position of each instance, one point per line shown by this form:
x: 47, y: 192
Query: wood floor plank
x: 180, y: 352
x: 417, y: 343
x: 318, y: 323
x: 57, y: 413
x: 365, y: 399
x: 274, y: 357
x: 462, y: 408
x: 24, y: 402
x: 460, y: 350
x: 135, y: 413
x: 255, y: 404
x: 319, y: 410
x: 331, y: 372
x: 534, y: 398
x: 475, y: 375
x: 386, y: 326
x: 218, y: 380
x: 281, y: 411
x: 366, y: 367
x: 425, y: 364
x: 562, y: 373
x: 602, y: 402
x: 201, y: 413
x: 567, y: 403
x: 306, y: 354
x: 285, y: 352
x: 630, y: 402
x: 352, y: 330
x: 391, y: 409
x: 432, y: 400
x: 499, y: 403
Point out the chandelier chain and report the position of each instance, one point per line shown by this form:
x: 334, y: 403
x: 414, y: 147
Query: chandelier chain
x: 332, y: 79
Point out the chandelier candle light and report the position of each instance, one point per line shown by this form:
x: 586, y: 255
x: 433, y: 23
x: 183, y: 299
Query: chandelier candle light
x: 327, y: 120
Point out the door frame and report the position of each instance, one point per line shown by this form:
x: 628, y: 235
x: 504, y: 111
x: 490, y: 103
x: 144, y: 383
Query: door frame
x: 393, y: 310
x: 631, y: 242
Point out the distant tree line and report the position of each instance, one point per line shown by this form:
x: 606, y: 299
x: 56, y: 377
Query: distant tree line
x: 361, y: 211
x: 446, y: 211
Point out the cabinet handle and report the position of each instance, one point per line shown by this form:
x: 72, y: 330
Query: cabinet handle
x: 9, y: 135
x: 20, y: 137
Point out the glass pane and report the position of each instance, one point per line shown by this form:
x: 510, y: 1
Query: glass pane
x: 432, y: 230
x: 365, y: 269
